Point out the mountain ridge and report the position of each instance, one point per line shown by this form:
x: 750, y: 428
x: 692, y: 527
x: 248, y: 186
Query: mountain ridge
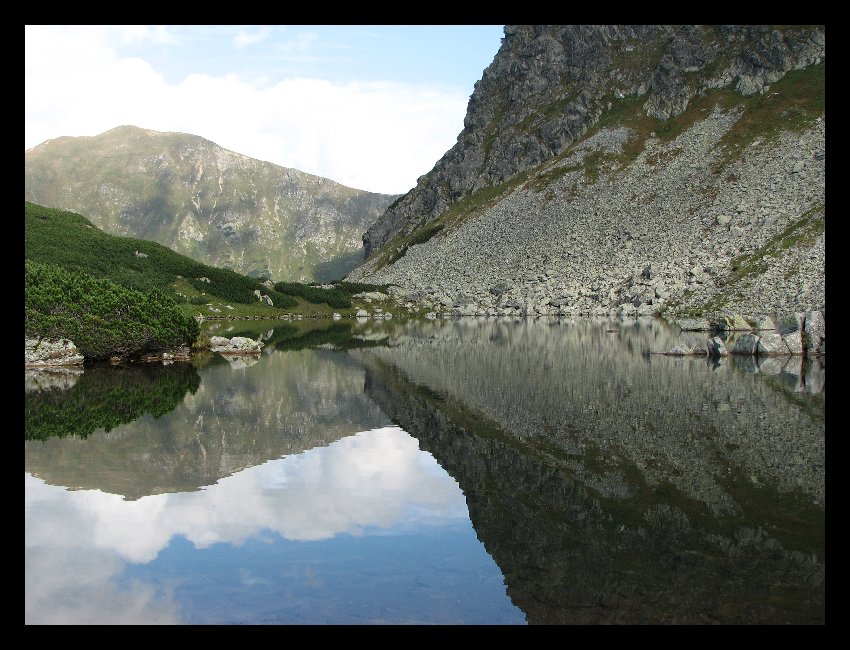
x: 215, y: 205
x: 624, y: 169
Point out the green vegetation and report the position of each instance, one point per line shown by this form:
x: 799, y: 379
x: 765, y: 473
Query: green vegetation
x: 803, y: 233
x: 102, y: 318
x: 339, y: 335
x: 316, y: 295
x: 791, y: 104
x: 232, y: 287
x: 71, y: 241
x: 351, y: 288
x: 104, y: 398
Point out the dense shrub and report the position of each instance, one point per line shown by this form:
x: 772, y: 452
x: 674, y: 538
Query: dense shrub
x: 351, y: 288
x: 316, y: 295
x: 229, y: 286
x: 71, y: 241
x: 102, y: 318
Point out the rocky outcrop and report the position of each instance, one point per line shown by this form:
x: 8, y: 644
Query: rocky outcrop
x: 628, y: 171
x: 799, y: 334
x: 51, y: 352
x: 235, y: 345
x: 51, y: 377
x: 201, y: 200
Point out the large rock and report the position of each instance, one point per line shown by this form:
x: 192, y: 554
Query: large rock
x: 794, y: 341
x: 694, y: 325
x: 771, y: 343
x: 791, y: 323
x: 236, y: 345
x: 747, y: 343
x: 732, y: 322
x: 51, y: 352
x: 716, y: 348
x: 814, y: 332
x: 680, y: 351
x: 762, y: 323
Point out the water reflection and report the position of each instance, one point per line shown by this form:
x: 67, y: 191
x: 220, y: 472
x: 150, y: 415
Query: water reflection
x: 607, y: 484
x: 150, y: 567
x: 76, y: 403
x: 236, y: 418
x: 613, y: 486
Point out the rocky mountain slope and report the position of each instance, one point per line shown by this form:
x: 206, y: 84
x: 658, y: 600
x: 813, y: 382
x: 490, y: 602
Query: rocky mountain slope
x: 206, y: 202
x: 624, y: 169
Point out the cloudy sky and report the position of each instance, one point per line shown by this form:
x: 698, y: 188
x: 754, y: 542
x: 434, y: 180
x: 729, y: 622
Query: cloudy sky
x: 372, y: 107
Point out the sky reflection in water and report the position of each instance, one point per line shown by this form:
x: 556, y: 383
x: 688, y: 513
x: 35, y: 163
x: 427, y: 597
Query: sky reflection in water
x: 367, y: 530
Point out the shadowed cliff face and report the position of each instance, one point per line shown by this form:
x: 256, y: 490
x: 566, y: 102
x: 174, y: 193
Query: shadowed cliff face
x: 185, y: 430
x: 211, y: 204
x: 612, y: 487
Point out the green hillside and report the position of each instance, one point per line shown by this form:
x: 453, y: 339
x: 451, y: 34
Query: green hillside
x: 70, y: 240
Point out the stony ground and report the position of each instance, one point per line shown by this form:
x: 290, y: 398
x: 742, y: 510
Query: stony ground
x: 661, y: 234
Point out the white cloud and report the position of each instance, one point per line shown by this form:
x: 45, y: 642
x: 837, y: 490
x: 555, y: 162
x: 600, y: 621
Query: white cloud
x: 77, y: 542
x: 374, y: 136
x: 244, y: 39
x: 301, y: 42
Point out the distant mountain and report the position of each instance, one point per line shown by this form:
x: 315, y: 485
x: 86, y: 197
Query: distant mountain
x: 211, y: 204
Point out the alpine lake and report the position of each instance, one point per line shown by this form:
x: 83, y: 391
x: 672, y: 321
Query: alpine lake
x: 468, y: 471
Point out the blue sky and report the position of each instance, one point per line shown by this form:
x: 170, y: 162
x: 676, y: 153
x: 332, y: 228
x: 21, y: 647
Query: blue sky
x: 372, y: 107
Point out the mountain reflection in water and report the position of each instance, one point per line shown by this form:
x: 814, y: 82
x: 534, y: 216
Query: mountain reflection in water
x: 608, y: 484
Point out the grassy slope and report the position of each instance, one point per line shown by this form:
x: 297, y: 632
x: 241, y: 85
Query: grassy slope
x: 72, y: 241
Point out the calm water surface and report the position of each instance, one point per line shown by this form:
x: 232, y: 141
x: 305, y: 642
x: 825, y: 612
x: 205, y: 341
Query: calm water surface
x: 471, y: 471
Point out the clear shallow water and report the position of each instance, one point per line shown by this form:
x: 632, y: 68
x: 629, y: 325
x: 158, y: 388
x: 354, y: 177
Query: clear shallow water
x: 454, y: 472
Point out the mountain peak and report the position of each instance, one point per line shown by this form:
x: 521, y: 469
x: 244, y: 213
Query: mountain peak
x: 215, y: 205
